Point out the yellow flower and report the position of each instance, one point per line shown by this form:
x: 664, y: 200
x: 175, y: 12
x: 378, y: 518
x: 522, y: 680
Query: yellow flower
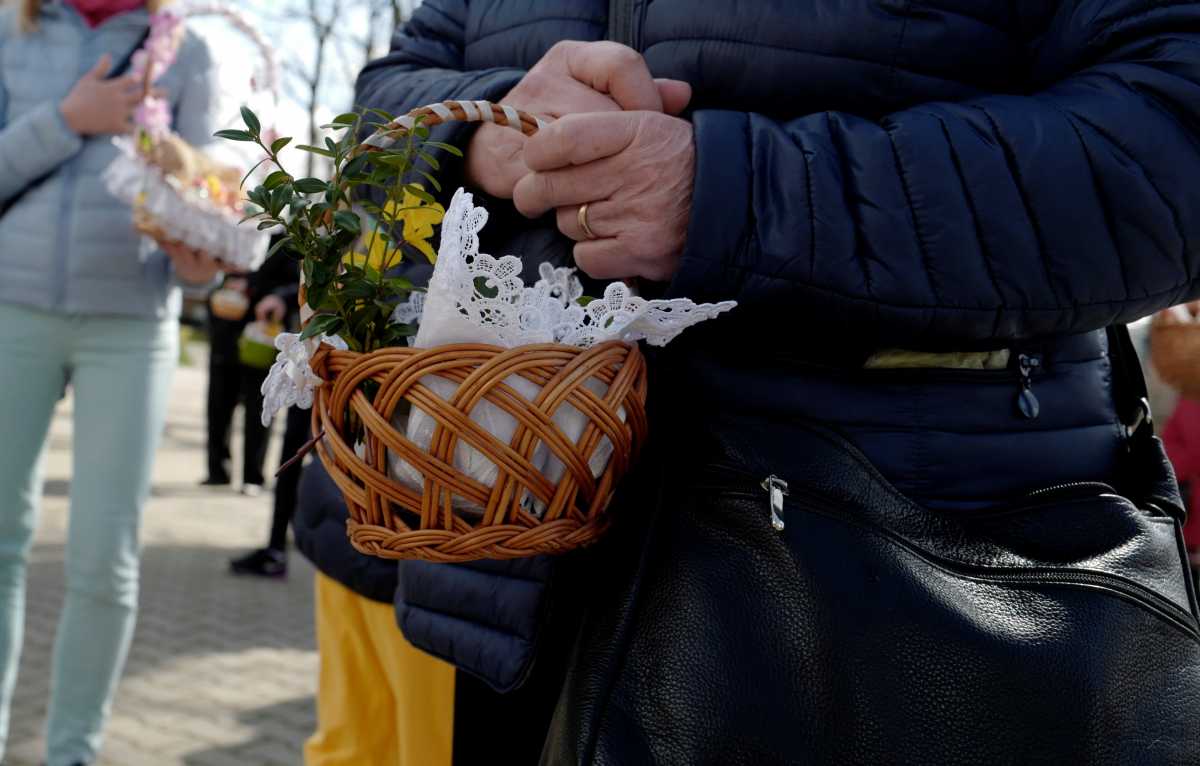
x: 417, y: 219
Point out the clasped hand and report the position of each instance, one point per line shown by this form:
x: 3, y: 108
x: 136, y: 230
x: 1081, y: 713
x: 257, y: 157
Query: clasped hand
x: 615, y: 145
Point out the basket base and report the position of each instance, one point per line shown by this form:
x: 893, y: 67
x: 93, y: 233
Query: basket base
x: 495, y: 543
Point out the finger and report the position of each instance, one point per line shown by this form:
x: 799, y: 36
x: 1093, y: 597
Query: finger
x: 604, y: 259
x: 538, y: 193
x: 617, y: 70
x: 578, y: 139
x: 676, y: 95
x: 601, y: 219
x: 553, y: 94
x: 101, y: 69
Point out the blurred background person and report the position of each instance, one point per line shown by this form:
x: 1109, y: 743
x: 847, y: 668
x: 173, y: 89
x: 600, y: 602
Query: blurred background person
x: 84, y: 303
x: 1179, y: 362
x: 279, y: 307
x: 231, y: 380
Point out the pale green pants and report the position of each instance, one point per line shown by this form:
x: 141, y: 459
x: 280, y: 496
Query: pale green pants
x: 119, y: 371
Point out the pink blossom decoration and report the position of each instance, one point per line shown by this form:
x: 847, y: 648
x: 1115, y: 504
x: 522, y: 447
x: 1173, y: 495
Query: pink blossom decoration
x: 153, y: 115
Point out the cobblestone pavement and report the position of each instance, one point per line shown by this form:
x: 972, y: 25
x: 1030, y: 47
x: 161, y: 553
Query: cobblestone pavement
x: 222, y: 669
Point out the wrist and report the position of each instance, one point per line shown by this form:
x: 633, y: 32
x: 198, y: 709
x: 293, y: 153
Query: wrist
x: 70, y: 117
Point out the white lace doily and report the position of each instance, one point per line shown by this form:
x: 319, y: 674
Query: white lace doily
x: 291, y: 381
x: 183, y: 216
x: 470, y: 289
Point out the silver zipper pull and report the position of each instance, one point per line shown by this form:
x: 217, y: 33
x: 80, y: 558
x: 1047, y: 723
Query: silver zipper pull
x: 777, y: 490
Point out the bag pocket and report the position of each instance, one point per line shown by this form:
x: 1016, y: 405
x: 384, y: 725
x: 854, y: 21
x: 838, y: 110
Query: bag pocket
x: 1082, y: 535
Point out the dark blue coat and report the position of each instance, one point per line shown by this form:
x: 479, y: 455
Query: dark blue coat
x: 958, y: 174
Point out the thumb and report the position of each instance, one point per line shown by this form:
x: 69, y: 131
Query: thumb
x: 102, y: 68
x: 675, y: 94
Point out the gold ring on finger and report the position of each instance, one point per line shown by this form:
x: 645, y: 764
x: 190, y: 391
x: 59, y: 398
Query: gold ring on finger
x: 583, y: 222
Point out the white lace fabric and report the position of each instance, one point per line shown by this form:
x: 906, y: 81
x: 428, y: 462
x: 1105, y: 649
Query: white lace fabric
x: 291, y: 381
x: 183, y: 216
x: 486, y: 299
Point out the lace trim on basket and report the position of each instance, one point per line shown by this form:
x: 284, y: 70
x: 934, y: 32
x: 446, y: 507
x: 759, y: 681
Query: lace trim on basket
x: 291, y: 381
x: 488, y: 292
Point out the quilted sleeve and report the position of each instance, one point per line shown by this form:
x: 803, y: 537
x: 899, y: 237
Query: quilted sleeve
x: 426, y: 65
x: 1065, y: 209
x: 34, y: 144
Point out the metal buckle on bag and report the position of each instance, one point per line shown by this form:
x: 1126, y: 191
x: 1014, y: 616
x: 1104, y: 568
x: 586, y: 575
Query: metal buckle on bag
x: 1144, y: 418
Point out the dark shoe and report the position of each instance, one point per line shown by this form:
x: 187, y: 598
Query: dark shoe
x: 215, y: 481
x: 264, y: 562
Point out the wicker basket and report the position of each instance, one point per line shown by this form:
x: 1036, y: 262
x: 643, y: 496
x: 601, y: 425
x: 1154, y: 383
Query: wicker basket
x: 1175, y: 349
x: 391, y: 520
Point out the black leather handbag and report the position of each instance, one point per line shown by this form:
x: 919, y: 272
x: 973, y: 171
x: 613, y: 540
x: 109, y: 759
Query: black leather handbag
x: 1061, y: 629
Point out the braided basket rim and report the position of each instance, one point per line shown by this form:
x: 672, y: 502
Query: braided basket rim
x: 504, y: 532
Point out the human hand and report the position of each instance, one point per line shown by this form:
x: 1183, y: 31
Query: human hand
x: 97, y: 106
x: 573, y: 77
x: 191, y: 265
x: 270, y: 309
x: 634, y: 170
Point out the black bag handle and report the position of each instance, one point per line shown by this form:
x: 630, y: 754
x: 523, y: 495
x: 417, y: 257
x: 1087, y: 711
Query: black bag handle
x: 1129, y: 385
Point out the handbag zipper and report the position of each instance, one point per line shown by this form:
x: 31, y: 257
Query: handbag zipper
x: 778, y: 490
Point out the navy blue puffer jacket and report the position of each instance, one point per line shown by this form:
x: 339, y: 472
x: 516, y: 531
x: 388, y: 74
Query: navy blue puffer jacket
x: 956, y: 174
x: 870, y: 174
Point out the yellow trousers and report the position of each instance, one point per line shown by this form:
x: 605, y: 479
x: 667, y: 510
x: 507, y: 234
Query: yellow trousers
x: 380, y: 702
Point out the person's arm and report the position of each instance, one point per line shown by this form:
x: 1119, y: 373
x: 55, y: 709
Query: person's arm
x: 34, y: 144
x: 1001, y: 217
x: 425, y: 66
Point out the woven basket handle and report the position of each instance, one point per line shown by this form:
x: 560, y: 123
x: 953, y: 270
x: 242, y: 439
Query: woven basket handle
x: 451, y: 111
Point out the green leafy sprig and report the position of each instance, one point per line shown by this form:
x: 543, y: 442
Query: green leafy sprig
x: 326, y: 221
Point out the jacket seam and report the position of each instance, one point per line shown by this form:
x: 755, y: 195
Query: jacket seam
x: 922, y: 247
x: 806, y: 154
x: 1105, y: 209
x: 531, y: 22
x: 1109, y: 27
x: 1174, y: 290
x: 1019, y: 185
x: 976, y: 223
x: 850, y: 189
x: 803, y: 52
x: 955, y: 12
x: 1175, y: 219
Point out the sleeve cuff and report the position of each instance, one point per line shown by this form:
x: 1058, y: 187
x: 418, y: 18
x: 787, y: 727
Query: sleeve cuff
x: 721, y: 202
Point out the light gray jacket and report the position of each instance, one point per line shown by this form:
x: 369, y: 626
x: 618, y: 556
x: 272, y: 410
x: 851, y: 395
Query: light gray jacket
x: 66, y: 244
